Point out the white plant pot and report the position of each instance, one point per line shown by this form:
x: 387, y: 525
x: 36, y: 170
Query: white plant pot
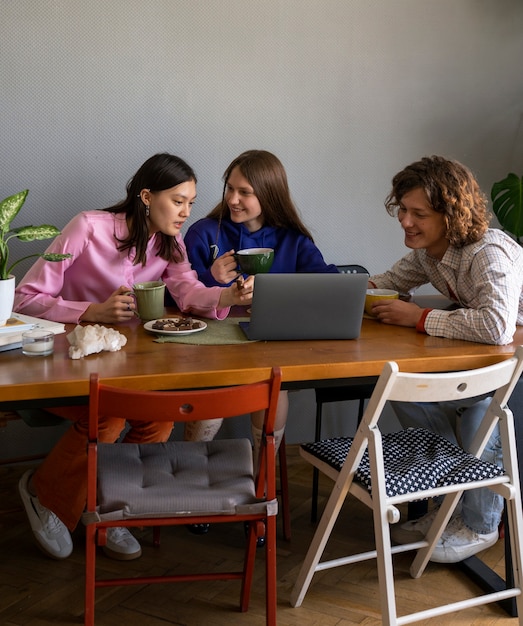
x: 7, y: 298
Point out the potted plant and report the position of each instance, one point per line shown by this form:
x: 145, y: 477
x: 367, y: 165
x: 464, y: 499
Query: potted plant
x: 9, y: 208
x: 507, y: 204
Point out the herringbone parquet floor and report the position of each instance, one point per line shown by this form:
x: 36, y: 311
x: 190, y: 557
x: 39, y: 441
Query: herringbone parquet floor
x: 37, y: 591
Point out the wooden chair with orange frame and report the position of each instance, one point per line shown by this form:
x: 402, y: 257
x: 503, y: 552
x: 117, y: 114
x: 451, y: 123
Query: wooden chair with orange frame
x: 178, y: 483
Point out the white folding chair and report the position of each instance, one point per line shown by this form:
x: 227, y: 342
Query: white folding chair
x: 372, y: 467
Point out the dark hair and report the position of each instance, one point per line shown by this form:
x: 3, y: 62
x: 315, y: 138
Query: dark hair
x: 159, y: 172
x: 268, y: 178
x: 451, y: 189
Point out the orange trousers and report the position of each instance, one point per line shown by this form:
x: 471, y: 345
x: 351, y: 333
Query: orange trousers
x: 61, y: 481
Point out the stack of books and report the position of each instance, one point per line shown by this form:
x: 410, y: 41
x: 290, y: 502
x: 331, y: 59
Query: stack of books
x: 11, y: 333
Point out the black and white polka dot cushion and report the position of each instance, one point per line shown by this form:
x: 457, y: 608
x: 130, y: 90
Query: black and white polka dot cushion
x: 414, y: 459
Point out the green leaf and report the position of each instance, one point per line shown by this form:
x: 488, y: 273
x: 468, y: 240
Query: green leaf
x: 53, y: 256
x: 9, y: 208
x: 33, y: 233
x: 507, y: 203
x: 47, y: 256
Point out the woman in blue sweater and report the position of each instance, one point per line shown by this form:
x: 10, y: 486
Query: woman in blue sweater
x: 256, y: 211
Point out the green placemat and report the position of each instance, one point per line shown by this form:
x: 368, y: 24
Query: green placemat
x: 218, y: 332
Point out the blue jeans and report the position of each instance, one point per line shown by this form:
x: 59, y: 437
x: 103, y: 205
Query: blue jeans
x: 458, y: 422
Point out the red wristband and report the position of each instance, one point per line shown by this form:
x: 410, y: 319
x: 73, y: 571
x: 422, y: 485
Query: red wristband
x: 420, y: 326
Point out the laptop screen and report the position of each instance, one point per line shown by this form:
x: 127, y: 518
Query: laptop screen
x: 306, y: 306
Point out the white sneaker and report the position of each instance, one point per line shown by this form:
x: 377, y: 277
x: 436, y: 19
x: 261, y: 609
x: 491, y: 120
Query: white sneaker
x: 50, y: 533
x: 412, y: 531
x: 458, y: 542
x: 121, y: 545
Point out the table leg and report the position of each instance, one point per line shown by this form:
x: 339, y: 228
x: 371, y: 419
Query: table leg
x: 473, y: 566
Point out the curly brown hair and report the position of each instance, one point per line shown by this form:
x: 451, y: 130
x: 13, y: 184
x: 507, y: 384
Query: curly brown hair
x: 451, y: 189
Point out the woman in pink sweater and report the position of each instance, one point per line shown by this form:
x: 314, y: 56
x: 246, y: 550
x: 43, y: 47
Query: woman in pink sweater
x: 136, y: 240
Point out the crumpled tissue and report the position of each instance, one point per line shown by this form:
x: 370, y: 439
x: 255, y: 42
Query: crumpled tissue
x: 86, y: 340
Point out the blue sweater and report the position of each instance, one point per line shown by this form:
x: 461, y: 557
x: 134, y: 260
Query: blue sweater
x: 293, y: 252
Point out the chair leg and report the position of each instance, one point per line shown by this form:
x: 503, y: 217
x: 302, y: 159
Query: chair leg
x: 90, y: 574
x: 257, y: 529
x: 284, y: 490
x: 435, y: 531
x: 504, y: 533
x: 315, y: 488
x: 315, y: 471
x: 361, y: 408
x: 317, y: 545
x: 514, y: 537
x: 248, y: 569
x: 385, y: 570
x: 513, y: 513
x: 270, y: 571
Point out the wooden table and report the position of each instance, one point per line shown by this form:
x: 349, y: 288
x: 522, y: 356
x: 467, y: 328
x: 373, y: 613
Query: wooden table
x: 145, y: 364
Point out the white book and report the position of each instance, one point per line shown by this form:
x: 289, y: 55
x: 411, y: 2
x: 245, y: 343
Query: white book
x: 11, y: 334
x: 12, y: 345
x: 15, y: 324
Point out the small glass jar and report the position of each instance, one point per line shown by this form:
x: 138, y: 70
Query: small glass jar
x: 37, y: 342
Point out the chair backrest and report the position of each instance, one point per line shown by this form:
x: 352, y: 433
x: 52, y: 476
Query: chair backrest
x: 498, y: 379
x: 189, y: 406
x: 352, y: 269
x: 183, y: 406
x: 441, y: 387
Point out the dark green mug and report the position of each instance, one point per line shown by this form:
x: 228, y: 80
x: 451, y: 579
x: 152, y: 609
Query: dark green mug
x: 255, y: 260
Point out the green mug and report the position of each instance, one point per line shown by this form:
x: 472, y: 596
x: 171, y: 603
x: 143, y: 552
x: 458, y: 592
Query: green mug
x: 149, y: 298
x: 255, y: 260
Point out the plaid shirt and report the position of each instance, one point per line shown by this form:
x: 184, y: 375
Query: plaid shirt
x: 485, y: 279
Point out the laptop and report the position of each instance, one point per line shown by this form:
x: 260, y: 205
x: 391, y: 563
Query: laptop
x: 306, y: 306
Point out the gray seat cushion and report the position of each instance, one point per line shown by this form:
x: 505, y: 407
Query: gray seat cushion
x: 414, y: 459
x: 176, y: 478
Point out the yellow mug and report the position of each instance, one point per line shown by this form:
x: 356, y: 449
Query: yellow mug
x: 373, y: 295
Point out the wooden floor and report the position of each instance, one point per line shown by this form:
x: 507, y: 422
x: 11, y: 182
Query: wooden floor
x: 35, y: 590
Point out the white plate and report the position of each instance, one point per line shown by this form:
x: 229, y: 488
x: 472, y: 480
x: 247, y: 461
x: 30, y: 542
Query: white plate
x: 149, y: 326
